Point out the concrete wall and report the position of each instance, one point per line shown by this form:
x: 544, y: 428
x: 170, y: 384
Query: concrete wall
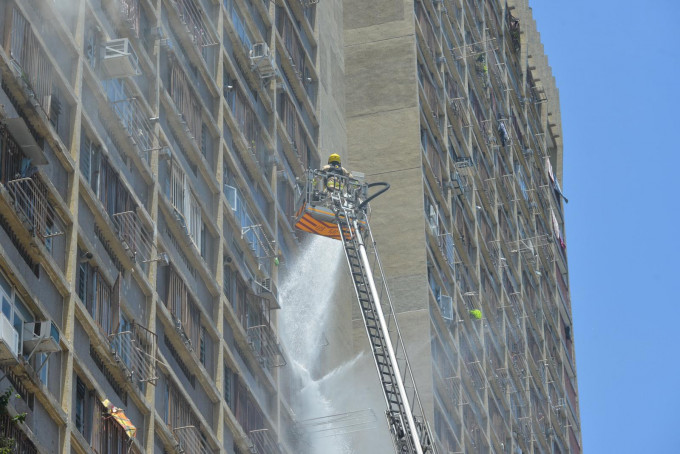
x: 383, y: 130
x: 333, y: 139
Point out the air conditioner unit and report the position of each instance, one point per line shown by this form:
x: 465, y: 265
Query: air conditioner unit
x: 9, y: 342
x: 120, y: 59
x: 265, y: 285
x: 41, y: 337
x: 262, y: 60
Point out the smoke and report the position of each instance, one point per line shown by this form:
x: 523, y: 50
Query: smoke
x: 68, y: 9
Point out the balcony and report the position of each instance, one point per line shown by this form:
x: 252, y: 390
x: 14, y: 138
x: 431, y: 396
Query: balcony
x: 111, y: 428
x: 29, y: 62
x: 134, y: 237
x: 127, y: 11
x: 9, y: 342
x: 189, y: 440
x: 190, y: 15
x: 264, y: 442
x: 131, y: 114
x: 262, y: 341
x: 135, y: 349
x: 10, y: 429
x: 31, y: 204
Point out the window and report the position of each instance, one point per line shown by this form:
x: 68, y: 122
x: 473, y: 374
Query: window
x: 183, y: 309
x: 228, y: 385
x: 13, y: 308
x: 81, y: 392
x: 108, y: 436
x: 186, y: 102
x: 202, y: 346
x: 101, y: 299
x: 92, y: 46
x: 187, y: 208
x: 178, y: 413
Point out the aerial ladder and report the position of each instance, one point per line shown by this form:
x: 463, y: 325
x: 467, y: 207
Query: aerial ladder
x: 336, y: 206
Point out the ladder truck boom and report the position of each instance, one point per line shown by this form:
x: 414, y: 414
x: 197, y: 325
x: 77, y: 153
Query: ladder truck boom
x: 336, y: 206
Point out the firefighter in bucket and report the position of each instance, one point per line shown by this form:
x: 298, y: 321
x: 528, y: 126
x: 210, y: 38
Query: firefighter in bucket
x: 334, y: 173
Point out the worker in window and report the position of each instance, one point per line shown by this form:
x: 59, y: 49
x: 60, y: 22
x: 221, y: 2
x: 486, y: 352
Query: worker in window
x: 334, y: 173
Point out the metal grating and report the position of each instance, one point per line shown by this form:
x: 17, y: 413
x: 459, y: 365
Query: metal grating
x: 135, y: 350
x: 136, y: 240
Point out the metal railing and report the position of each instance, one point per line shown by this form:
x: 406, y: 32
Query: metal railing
x: 262, y: 341
x: 136, y: 350
x: 33, y: 207
x: 10, y: 429
x: 136, y: 240
x: 190, y: 15
x: 264, y: 441
x: 189, y: 440
x: 131, y: 114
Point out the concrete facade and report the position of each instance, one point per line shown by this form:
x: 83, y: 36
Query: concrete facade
x: 149, y: 157
x: 454, y: 104
x: 149, y: 152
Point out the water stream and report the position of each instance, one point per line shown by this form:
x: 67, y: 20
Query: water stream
x: 306, y: 297
x: 306, y: 294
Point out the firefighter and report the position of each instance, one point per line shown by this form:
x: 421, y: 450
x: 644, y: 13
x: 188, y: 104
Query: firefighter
x: 333, y: 168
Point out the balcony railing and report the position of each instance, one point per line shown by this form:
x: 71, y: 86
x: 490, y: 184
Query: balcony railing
x: 190, y: 15
x: 136, y: 350
x: 137, y: 125
x: 10, y: 429
x: 189, y: 440
x: 33, y: 207
x: 262, y: 341
x: 264, y: 442
x: 136, y: 240
x: 29, y: 60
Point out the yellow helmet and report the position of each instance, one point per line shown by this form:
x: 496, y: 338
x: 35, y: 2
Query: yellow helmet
x: 334, y: 158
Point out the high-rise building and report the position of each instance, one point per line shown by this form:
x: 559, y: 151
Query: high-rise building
x: 149, y: 152
x: 149, y: 157
x: 454, y: 104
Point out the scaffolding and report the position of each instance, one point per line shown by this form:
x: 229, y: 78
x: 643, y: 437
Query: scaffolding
x: 448, y: 248
x: 496, y: 252
x: 454, y: 391
x: 474, y: 49
x: 477, y: 375
x: 533, y: 248
x: 489, y: 188
x: 460, y: 110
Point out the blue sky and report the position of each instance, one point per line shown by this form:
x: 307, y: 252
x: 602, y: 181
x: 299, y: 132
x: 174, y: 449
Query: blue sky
x: 617, y: 65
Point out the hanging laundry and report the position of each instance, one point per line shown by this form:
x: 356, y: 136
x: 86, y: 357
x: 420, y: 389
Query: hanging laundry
x: 505, y: 138
x: 553, y: 181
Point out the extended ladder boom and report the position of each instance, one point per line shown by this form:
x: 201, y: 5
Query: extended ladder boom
x: 338, y: 211
x: 410, y: 434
